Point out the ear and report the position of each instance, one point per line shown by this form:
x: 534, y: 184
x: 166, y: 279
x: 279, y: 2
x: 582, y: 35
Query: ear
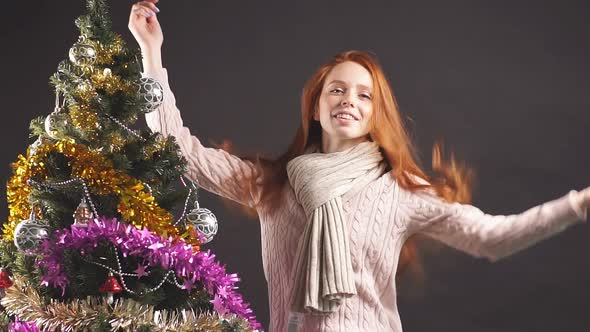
x: 316, y: 115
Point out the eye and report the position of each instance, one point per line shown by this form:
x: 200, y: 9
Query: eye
x: 337, y: 90
x: 365, y: 96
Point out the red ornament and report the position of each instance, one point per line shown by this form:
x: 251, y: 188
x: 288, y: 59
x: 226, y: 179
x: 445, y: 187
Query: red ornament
x: 111, y: 286
x: 5, y: 281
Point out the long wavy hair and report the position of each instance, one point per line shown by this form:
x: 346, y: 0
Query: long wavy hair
x: 450, y: 180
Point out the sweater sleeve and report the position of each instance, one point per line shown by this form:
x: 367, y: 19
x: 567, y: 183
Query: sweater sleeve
x: 214, y: 170
x: 467, y: 228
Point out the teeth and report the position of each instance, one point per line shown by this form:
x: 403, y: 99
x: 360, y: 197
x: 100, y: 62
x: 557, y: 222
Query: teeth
x: 344, y: 116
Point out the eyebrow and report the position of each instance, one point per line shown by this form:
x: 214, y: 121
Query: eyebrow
x: 358, y: 85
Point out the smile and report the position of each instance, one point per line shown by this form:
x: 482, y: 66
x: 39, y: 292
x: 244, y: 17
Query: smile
x: 344, y: 116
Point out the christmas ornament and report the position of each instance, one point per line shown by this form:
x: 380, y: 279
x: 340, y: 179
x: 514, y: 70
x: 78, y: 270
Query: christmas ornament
x: 56, y: 120
x: 29, y: 233
x: 111, y: 286
x: 53, y: 122
x: 5, y: 282
x: 83, y: 214
x: 204, y: 221
x: 83, y: 53
x: 150, y: 92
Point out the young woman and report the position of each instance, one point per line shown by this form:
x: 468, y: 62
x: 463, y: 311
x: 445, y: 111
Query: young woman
x: 337, y: 207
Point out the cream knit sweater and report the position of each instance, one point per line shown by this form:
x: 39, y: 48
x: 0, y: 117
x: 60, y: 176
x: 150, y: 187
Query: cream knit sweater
x: 379, y: 218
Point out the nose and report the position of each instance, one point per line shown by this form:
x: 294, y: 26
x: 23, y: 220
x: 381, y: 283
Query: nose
x: 346, y: 102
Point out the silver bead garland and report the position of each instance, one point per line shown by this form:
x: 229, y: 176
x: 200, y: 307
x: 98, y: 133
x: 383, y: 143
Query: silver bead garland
x: 32, y: 182
x: 148, y: 187
x: 119, y: 272
x: 183, y: 215
x: 129, y: 130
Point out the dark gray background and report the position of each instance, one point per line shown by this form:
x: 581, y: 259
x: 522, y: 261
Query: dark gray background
x: 505, y: 83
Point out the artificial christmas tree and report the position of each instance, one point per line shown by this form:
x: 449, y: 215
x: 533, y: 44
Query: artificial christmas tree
x: 92, y: 243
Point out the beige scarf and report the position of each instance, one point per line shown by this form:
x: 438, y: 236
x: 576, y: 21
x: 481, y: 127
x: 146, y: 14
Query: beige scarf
x: 321, y: 181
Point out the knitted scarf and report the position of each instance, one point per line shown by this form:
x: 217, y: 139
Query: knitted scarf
x: 322, y: 181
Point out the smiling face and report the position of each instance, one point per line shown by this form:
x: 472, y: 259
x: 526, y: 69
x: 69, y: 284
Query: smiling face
x: 345, y: 107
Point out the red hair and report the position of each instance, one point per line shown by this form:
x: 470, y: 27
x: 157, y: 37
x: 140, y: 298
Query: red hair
x: 451, y: 181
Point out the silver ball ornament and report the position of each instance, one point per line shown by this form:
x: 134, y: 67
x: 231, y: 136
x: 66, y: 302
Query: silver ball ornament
x: 82, y: 54
x: 151, y: 93
x: 29, y: 234
x: 204, y: 221
x: 53, y: 122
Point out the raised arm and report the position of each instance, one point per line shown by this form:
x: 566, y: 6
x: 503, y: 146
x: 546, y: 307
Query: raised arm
x: 467, y: 228
x: 215, y: 170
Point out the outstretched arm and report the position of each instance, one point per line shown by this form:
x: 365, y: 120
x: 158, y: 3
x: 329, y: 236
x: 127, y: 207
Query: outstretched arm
x: 213, y: 169
x: 467, y: 228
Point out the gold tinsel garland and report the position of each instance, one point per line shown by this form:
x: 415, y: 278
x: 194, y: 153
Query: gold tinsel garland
x: 86, y: 90
x: 109, y: 82
x: 106, y: 53
x: 136, y: 206
x: 82, y: 117
x: 25, y: 302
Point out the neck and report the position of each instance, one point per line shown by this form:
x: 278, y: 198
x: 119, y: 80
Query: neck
x: 330, y: 145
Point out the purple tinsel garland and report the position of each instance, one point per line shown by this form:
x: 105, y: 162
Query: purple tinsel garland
x: 170, y: 254
x: 22, y: 326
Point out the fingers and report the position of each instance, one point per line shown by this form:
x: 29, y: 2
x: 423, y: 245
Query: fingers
x: 143, y: 11
x: 144, y: 8
x: 150, y: 5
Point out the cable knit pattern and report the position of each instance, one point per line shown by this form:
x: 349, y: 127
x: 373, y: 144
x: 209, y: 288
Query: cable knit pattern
x: 379, y: 218
x: 323, y: 268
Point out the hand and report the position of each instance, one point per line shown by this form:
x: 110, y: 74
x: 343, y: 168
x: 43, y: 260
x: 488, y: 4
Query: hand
x: 584, y: 198
x: 145, y: 27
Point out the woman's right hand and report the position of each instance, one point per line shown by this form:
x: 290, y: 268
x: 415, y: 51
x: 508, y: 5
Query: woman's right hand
x: 145, y: 27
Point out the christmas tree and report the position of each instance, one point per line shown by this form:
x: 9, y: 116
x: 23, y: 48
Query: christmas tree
x: 92, y: 242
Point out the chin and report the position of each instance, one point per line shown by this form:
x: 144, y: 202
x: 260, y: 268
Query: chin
x: 350, y: 136
x: 348, y: 133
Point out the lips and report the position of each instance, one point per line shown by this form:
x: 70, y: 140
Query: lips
x: 347, y: 113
